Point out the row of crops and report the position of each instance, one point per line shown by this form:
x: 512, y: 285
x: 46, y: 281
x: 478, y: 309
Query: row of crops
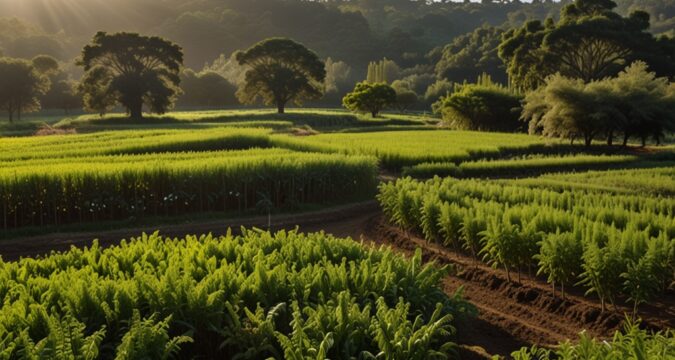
x: 253, y: 296
x: 617, y: 246
x: 520, y: 167
x: 104, y: 188
x: 655, y: 181
x: 397, y: 149
x: 131, y: 142
x: 631, y: 343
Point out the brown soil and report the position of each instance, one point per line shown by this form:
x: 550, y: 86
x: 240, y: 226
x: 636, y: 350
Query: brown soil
x: 516, y: 314
x: 511, y: 315
x: 339, y: 219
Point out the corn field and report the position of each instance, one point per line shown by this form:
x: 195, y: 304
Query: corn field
x: 616, y: 246
x: 254, y: 296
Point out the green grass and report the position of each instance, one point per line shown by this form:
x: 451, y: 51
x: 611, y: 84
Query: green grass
x: 319, y: 118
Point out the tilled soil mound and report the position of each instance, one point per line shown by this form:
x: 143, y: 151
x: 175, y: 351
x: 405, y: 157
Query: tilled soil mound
x: 517, y: 313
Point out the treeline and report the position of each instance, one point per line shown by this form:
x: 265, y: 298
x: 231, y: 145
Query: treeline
x: 585, y: 41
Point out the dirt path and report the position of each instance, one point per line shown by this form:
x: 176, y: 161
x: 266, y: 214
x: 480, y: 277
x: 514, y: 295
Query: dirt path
x: 342, y: 220
x: 510, y: 315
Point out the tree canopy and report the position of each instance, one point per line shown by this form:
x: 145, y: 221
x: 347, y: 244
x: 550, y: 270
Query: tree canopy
x: 589, y: 42
x: 371, y: 98
x: 21, y: 86
x: 471, y: 55
x: 131, y: 70
x: 280, y: 70
x: 483, y: 106
x: 635, y: 103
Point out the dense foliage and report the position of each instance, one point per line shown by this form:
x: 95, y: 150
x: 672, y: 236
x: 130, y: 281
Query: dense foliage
x: 21, y: 86
x: 482, y: 107
x: 615, y: 245
x: 279, y: 71
x: 589, y: 42
x: 258, y: 295
x: 131, y: 70
x: 370, y: 98
x: 630, y: 343
x: 634, y: 104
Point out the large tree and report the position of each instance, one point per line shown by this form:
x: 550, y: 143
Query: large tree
x: 279, y: 71
x: 21, y: 85
x: 589, y: 42
x: 132, y: 70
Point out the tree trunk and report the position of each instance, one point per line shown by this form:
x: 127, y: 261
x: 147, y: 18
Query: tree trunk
x: 644, y: 141
x: 610, y: 138
x: 588, y: 140
x: 374, y: 113
x: 281, y: 107
x: 625, y: 139
x: 135, y: 108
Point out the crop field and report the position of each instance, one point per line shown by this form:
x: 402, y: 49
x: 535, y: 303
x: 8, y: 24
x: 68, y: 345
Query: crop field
x: 521, y: 166
x: 337, y: 180
x: 97, y: 188
x: 255, y: 296
x: 617, y: 246
x: 655, y: 181
x: 397, y: 149
x: 608, y: 231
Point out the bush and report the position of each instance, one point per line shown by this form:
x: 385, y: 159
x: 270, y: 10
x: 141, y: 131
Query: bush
x: 483, y: 108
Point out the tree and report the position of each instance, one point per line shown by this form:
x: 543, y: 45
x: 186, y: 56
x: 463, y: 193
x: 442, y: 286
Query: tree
x: 45, y: 64
x: 371, y: 98
x: 132, y: 70
x: 95, y: 87
x: 471, y: 55
x: 63, y: 94
x: 280, y: 70
x: 482, y: 107
x: 589, y: 42
x: 564, y: 108
x: 21, y: 86
x: 405, y: 97
x: 383, y: 71
x: 635, y: 103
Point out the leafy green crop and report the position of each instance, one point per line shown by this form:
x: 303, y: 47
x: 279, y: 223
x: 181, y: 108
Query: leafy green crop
x: 258, y: 295
x: 618, y: 245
